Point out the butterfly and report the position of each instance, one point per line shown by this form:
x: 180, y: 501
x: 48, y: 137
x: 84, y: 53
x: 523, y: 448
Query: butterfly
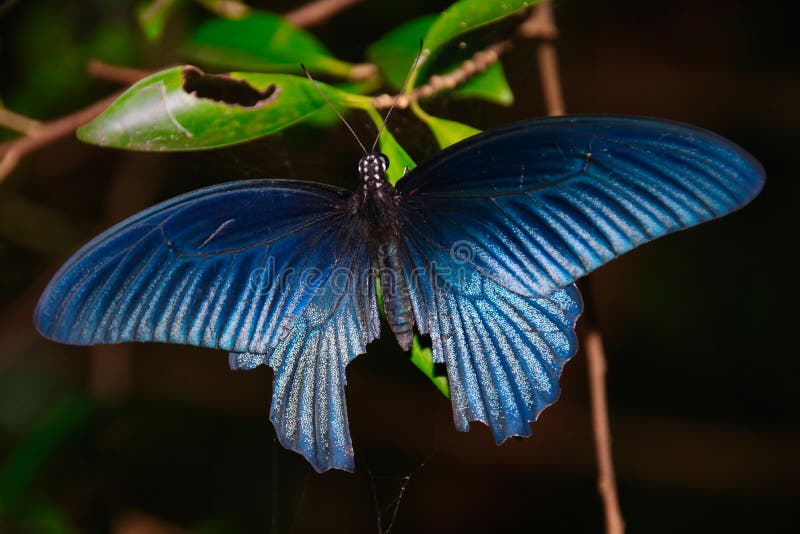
x: 479, y: 248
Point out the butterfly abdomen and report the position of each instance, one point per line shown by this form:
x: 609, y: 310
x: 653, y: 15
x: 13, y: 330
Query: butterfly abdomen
x: 378, y: 205
x: 396, y: 299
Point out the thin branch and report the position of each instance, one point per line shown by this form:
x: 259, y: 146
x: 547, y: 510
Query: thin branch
x: 115, y: 73
x: 18, y: 123
x: 606, y: 481
x: 40, y: 135
x: 232, y: 9
x: 317, y: 12
x: 437, y: 83
x: 152, y: 11
x: 542, y: 23
x: 13, y: 151
x: 538, y: 26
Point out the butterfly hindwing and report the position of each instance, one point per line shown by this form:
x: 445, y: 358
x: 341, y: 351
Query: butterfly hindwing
x: 504, y: 352
x: 308, y: 406
x: 542, y: 203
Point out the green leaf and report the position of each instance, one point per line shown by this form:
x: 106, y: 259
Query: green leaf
x: 262, y: 41
x: 395, y: 53
x: 183, y: 108
x: 491, y: 85
x: 399, y: 160
x: 152, y: 16
x: 422, y: 358
x: 445, y: 131
x: 467, y: 15
x: 449, y: 132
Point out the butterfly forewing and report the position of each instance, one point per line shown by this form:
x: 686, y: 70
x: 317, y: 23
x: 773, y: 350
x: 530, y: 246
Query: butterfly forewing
x: 542, y: 203
x: 221, y: 267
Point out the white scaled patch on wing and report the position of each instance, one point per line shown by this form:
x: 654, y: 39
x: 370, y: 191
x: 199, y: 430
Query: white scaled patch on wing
x: 308, y: 397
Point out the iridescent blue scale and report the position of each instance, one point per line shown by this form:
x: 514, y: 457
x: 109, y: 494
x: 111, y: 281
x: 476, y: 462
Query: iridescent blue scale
x: 479, y: 248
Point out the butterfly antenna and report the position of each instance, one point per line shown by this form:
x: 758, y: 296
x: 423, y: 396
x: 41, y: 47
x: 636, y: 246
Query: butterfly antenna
x: 414, y: 67
x: 325, y: 98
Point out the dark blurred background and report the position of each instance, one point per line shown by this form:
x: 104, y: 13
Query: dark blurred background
x: 698, y: 326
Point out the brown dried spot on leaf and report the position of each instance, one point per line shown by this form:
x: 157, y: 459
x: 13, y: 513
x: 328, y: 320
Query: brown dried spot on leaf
x: 226, y: 90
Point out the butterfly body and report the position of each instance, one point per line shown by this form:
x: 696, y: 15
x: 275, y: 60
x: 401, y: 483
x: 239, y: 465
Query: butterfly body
x: 478, y: 248
x: 377, y: 203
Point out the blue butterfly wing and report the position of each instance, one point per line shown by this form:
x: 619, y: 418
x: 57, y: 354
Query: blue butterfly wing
x: 503, y: 351
x: 308, y: 406
x: 220, y: 267
x: 542, y: 203
x: 258, y: 268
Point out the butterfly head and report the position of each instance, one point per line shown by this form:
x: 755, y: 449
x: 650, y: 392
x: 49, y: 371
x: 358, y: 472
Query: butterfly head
x: 373, y: 166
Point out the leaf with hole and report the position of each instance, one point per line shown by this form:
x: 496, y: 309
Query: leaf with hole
x: 183, y: 108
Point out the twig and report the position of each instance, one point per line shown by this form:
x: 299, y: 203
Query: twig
x: 437, y: 83
x: 538, y: 26
x: 317, y: 12
x: 543, y: 22
x: 151, y: 11
x: 541, y: 25
x: 13, y: 151
x: 232, y: 9
x: 18, y: 123
x: 115, y: 73
x: 606, y: 481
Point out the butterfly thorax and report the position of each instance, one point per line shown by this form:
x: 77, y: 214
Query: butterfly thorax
x: 377, y: 202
